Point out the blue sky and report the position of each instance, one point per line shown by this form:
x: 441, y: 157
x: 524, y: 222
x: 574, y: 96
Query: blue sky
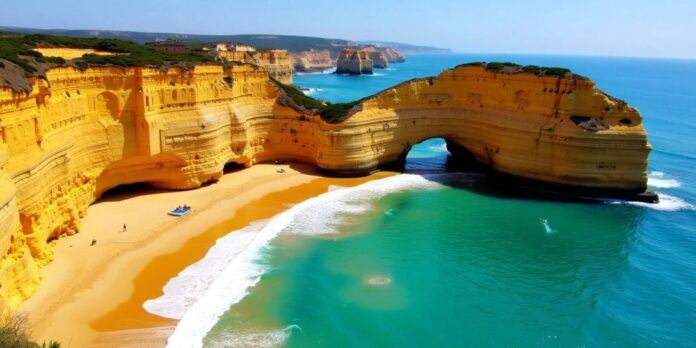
x: 664, y: 28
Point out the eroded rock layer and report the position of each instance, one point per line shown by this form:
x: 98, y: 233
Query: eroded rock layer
x: 393, y: 56
x: 379, y: 58
x: 312, y: 60
x: 78, y: 134
x: 354, y: 62
x: 276, y: 62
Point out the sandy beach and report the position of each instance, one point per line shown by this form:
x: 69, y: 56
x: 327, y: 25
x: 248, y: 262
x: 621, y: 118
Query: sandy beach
x: 93, y: 295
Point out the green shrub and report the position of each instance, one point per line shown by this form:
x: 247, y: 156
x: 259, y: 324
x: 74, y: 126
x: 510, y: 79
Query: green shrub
x: 335, y: 113
x: 532, y: 69
x: 329, y: 112
x: 298, y: 97
x: 497, y: 66
x: 472, y: 64
x: 556, y: 71
x: 19, y: 50
x: 13, y: 334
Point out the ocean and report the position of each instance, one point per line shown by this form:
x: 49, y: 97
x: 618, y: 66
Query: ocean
x: 434, y: 258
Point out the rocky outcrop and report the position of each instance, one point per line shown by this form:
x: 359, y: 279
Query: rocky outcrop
x: 378, y: 58
x: 520, y: 124
x: 393, y: 56
x: 354, y: 62
x: 276, y: 62
x: 78, y: 134
x: 364, y: 60
x: 312, y: 60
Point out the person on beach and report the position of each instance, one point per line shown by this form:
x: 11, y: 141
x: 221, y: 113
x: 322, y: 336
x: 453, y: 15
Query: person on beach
x: 124, y: 228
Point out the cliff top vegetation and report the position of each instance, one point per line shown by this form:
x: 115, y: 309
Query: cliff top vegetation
x: 18, y: 50
x: 337, y: 112
x: 329, y: 112
x: 513, y: 68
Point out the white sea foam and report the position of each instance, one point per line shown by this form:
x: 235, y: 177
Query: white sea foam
x: 310, y: 91
x: 182, y: 291
x: 660, y: 180
x: 230, y: 277
x: 667, y: 203
x: 335, y: 187
x: 273, y: 338
x: 325, y: 71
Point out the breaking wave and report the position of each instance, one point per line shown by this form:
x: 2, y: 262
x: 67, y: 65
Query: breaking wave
x: 660, y: 180
x: 204, y: 291
x: 272, y: 338
x: 321, y: 72
x: 667, y: 203
x: 182, y: 291
x: 310, y: 91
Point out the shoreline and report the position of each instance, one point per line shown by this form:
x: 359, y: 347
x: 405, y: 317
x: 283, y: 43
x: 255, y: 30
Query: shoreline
x: 93, y: 295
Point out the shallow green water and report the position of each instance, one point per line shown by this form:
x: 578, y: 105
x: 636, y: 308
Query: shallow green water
x: 460, y: 264
x: 453, y: 266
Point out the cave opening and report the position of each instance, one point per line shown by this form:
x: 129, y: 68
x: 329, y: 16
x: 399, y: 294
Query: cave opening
x: 430, y: 155
x: 439, y: 155
x: 232, y: 167
x: 125, y: 191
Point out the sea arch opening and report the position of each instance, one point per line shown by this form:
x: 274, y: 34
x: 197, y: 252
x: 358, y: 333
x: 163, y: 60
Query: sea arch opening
x: 427, y: 155
x: 437, y: 154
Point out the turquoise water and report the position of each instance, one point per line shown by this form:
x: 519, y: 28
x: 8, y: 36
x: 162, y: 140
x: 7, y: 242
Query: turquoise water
x: 430, y: 259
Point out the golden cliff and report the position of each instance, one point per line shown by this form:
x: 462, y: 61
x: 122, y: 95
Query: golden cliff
x: 379, y: 58
x: 78, y: 134
x: 393, y: 56
x: 276, y: 62
x: 312, y: 60
x: 354, y: 62
x: 560, y: 131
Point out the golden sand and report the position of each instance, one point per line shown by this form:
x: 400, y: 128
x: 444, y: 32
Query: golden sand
x: 94, y: 294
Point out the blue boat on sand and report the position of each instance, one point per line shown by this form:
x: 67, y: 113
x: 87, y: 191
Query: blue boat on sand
x: 180, y: 211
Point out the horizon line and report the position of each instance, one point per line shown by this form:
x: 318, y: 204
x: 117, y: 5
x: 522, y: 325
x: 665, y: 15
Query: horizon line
x: 452, y: 51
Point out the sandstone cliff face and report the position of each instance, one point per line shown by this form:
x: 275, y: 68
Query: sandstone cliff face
x: 312, y: 60
x: 276, y: 62
x: 78, y: 134
x: 378, y: 58
x: 393, y: 56
x: 353, y: 62
x: 525, y: 125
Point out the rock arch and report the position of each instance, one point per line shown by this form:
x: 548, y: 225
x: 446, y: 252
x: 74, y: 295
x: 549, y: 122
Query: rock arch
x: 507, y: 121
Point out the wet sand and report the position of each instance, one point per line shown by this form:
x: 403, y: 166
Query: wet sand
x: 93, y: 295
